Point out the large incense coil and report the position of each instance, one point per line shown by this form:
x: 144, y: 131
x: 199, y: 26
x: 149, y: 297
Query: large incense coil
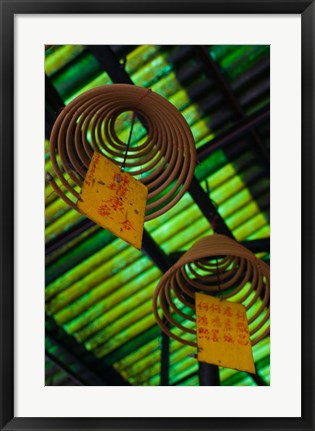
x: 164, y: 162
x: 220, y: 266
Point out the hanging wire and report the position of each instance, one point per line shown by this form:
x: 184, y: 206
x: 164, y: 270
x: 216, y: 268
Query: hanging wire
x: 129, y: 140
x: 218, y: 278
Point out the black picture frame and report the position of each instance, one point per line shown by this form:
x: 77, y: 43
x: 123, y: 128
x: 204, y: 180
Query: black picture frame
x: 8, y: 10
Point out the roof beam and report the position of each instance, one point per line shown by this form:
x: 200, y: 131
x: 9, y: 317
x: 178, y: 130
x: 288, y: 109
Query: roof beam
x: 76, y: 380
x: 96, y: 372
x: 240, y: 129
x: 213, y: 71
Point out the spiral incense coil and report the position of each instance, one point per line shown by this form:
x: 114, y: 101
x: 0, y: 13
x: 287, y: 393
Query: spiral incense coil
x: 215, y: 265
x: 164, y: 161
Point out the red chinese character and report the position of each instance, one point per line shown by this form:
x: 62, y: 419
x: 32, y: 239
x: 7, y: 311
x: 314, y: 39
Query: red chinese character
x: 203, y: 331
x: 112, y: 186
x: 227, y: 325
x: 241, y: 316
x: 215, y: 335
x: 202, y: 320
x: 203, y: 306
x: 227, y: 311
x: 216, y: 308
x: 127, y: 225
x: 121, y: 191
x: 241, y: 327
x: 216, y: 322
x: 119, y: 184
x: 125, y: 180
x: 104, y: 211
x: 116, y: 204
x: 228, y: 338
x: 242, y: 340
x: 123, y: 186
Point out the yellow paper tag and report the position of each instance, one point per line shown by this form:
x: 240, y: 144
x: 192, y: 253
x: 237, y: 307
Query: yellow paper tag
x: 114, y: 200
x: 222, y: 334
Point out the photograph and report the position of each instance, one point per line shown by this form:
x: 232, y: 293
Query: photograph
x: 190, y: 124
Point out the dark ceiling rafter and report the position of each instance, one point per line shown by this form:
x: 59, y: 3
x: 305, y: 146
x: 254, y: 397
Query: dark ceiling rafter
x: 213, y: 71
x: 74, y: 377
x: 240, y: 129
x: 53, y: 103
x: 96, y: 372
